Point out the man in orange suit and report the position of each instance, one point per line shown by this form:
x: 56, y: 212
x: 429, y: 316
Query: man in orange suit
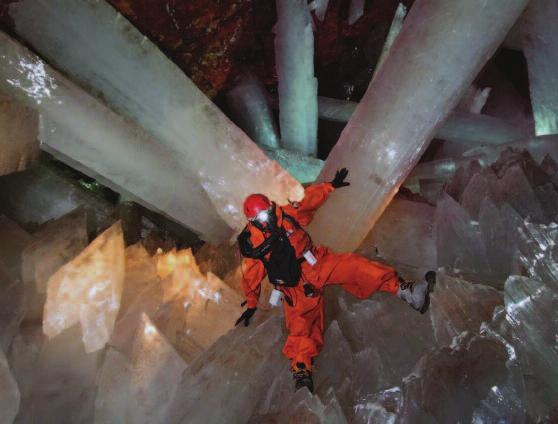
x: 275, y: 243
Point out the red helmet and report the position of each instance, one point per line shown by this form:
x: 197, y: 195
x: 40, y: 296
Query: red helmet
x: 254, y: 204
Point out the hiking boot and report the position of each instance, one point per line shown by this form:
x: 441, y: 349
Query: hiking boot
x: 303, y: 377
x: 417, y: 294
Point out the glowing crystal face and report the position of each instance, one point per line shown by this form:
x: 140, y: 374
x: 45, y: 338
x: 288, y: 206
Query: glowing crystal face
x: 87, y: 290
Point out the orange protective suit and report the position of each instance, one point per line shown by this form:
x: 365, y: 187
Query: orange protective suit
x: 305, y: 317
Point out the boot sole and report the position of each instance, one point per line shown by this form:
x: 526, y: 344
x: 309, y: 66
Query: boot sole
x: 430, y: 278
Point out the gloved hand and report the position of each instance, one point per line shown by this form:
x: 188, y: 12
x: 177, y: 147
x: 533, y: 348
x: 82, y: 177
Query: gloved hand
x: 246, y: 316
x: 339, y: 180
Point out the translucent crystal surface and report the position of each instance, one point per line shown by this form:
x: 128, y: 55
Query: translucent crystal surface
x: 42, y: 193
x: 138, y: 388
x: 64, y: 385
x: 24, y: 358
x: 53, y: 245
x: 88, y: 290
x: 403, y: 234
x: 18, y: 144
x: 394, y: 31
x: 250, y: 107
x: 298, y: 88
x: 9, y: 395
x: 206, y: 148
x: 540, y: 46
x: 304, y: 168
x: 383, y: 140
x: 459, y: 306
x: 104, y: 143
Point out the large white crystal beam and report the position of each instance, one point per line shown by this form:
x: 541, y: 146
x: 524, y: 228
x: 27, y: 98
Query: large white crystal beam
x: 538, y: 147
x: 298, y: 88
x: 442, y: 46
x: 249, y: 105
x: 394, y: 31
x: 459, y: 126
x: 473, y: 128
x: 94, y: 44
x: 18, y: 136
x: 540, y: 46
x: 121, y: 152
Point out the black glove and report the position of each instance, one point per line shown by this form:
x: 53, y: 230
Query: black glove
x: 339, y: 180
x: 246, y: 316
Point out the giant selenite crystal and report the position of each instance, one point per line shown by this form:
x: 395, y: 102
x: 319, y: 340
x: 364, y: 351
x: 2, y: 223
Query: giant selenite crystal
x: 250, y: 108
x: 540, y: 46
x: 442, y: 46
x: 298, y: 88
x: 460, y: 126
x: 87, y: 38
x: 18, y: 136
x: 88, y: 290
x: 104, y: 144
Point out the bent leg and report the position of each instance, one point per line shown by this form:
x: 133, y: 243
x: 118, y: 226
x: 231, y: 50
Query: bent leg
x: 305, y: 323
x: 359, y: 276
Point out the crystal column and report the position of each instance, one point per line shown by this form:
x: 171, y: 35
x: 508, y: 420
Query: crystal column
x: 442, y: 46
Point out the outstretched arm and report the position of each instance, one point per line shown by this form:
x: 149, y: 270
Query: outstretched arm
x: 314, y: 197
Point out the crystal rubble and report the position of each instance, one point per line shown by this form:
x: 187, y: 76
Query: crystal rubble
x: 207, y: 148
x: 54, y: 244
x: 251, y: 111
x: 297, y: 86
x: 9, y: 393
x: 18, y: 144
x: 450, y: 383
x: 191, y: 310
x: 458, y: 306
x: 126, y: 150
x: 403, y: 234
x: 459, y: 241
x: 394, y: 31
x: 64, y: 385
x: 538, y: 148
x: 382, y: 152
x: 369, y: 328
x: 531, y: 310
x: 540, y: 46
x: 88, y: 290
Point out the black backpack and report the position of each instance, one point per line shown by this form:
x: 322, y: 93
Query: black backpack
x: 282, y: 267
